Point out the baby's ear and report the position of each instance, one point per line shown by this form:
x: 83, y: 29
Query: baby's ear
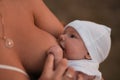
x: 87, y: 56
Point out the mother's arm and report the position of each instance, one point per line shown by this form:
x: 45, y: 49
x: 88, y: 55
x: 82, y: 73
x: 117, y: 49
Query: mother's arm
x: 45, y: 19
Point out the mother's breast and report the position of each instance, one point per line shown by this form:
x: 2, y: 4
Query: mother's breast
x: 32, y: 44
x: 36, y: 39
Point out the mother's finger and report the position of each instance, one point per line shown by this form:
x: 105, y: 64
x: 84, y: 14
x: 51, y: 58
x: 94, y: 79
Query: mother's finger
x: 57, y: 52
x: 49, y: 64
x: 80, y: 77
x: 47, y: 73
x: 70, y: 74
x: 61, y: 67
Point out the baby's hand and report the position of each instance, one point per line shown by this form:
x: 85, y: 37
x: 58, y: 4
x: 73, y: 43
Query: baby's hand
x: 57, y: 52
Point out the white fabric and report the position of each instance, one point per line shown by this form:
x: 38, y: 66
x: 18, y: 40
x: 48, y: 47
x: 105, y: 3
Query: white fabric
x: 7, y: 67
x: 96, y: 38
x: 87, y: 67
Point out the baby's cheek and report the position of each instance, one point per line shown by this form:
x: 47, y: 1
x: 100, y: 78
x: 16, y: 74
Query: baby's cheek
x: 73, y: 56
x: 71, y: 52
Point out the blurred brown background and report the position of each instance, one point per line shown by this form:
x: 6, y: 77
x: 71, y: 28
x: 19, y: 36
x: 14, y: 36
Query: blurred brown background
x: 101, y: 11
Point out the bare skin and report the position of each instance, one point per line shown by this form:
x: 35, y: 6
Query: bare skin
x: 33, y: 28
x: 26, y: 22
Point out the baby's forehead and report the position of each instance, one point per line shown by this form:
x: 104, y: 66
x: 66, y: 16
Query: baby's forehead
x: 72, y: 30
x: 69, y: 29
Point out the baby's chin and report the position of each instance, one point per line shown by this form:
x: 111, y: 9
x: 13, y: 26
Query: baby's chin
x: 65, y: 55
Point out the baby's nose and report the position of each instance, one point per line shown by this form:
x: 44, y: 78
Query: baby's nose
x: 62, y: 38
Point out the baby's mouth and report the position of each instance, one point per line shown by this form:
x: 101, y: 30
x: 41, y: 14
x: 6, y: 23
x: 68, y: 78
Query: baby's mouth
x: 62, y: 45
x: 63, y: 48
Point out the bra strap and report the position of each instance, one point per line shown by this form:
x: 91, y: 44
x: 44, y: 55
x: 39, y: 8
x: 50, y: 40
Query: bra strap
x: 7, y: 67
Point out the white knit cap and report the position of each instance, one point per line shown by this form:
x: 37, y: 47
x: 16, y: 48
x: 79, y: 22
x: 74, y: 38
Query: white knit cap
x: 96, y: 38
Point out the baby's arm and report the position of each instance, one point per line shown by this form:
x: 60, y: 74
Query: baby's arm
x: 45, y: 19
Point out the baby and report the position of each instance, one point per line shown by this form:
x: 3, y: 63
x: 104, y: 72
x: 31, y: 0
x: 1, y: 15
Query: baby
x: 85, y: 44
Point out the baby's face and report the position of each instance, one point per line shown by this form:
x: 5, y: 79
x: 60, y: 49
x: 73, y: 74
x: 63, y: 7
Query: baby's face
x: 72, y: 44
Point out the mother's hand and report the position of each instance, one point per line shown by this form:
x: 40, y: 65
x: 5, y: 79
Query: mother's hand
x: 61, y: 72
